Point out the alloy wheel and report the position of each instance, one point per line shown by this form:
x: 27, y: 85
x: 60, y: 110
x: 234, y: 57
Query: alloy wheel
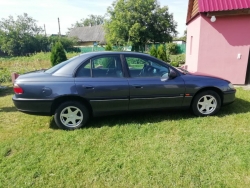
x: 71, y: 116
x: 207, y: 104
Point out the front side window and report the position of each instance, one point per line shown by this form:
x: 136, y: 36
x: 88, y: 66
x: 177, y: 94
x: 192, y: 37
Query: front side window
x: 143, y: 67
x: 104, y: 66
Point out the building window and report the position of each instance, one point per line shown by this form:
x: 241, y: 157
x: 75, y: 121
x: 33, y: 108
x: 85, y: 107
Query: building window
x: 191, y: 45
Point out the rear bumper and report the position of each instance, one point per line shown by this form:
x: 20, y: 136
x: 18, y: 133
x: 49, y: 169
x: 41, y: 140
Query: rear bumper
x: 33, y: 106
x: 229, y: 97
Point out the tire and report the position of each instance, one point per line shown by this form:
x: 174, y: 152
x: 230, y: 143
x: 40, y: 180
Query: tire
x: 71, y: 115
x: 206, y: 103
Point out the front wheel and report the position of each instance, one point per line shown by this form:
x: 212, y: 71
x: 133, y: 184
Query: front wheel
x: 206, y: 103
x: 71, y: 115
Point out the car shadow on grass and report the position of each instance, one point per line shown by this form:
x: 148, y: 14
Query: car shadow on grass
x: 8, y: 109
x: 6, y: 90
x: 135, y: 118
x: 139, y: 117
x: 52, y: 123
x: 238, y: 107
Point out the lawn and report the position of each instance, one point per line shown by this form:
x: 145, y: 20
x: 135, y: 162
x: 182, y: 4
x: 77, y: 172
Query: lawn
x: 153, y: 149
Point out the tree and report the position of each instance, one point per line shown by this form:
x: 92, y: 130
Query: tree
x: 108, y: 47
x: 20, y: 36
x: 67, y: 42
x: 161, y: 53
x: 57, y: 54
x: 153, y: 51
x: 41, y: 43
x: 172, y: 48
x: 138, y: 22
x: 184, y: 37
x: 90, y: 21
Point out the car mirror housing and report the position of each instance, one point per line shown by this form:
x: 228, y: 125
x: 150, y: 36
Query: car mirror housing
x: 172, y: 74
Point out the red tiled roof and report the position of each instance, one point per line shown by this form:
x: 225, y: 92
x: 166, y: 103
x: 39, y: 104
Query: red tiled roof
x: 222, y: 5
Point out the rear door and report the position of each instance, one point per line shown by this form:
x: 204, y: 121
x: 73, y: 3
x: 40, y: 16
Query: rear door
x: 150, y: 86
x: 100, y: 80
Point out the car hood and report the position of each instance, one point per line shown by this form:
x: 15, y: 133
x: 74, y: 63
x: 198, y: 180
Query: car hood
x: 205, y: 75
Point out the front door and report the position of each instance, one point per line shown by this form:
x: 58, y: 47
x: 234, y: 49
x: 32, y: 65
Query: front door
x: 149, y: 84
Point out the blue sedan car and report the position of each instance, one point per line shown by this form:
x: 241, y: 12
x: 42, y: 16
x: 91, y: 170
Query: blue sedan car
x: 101, y: 83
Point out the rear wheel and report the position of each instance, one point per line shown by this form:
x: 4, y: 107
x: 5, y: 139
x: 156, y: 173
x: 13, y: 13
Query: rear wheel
x: 206, y: 103
x: 71, y: 115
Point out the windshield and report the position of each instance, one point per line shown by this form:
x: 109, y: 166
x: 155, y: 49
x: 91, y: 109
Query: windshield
x: 60, y: 65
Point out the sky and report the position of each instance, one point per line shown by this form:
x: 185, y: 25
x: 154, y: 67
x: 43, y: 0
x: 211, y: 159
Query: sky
x: 69, y: 11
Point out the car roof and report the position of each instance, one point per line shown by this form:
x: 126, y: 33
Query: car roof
x: 112, y: 52
x: 69, y: 68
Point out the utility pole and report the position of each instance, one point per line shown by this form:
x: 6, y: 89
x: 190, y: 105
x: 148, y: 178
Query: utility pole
x: 44, y: 29
x: 59, y: 27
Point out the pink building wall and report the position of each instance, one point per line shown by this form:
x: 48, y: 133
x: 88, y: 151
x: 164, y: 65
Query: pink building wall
x: 193, y: 42
x: 219, y: 45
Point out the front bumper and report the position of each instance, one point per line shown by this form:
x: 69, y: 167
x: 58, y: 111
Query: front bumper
x: 33, y: 106
x: 229, y: 97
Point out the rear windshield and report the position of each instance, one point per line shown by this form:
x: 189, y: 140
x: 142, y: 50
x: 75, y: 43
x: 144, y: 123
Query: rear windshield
x: 60, y: 65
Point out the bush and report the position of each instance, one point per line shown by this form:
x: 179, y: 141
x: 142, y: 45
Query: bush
x: 161, y: 53
x: 108, y: 47
x: 67, y: 42
x: 174, y: 64
x: 172, y: 48
x: 167, y: 57
x: 73, y: 50
x: 57, y: 54
x: 5, y: 75
x: 153, y: 51
x: 178, y: 58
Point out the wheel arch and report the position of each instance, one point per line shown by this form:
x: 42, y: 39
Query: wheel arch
x: 62, y: 99
x: 217, y: 90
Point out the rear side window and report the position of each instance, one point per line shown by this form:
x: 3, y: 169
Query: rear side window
x: 84, y: 70
x: 103, y: 66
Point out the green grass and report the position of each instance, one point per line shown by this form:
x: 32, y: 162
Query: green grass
x: 153, y: 149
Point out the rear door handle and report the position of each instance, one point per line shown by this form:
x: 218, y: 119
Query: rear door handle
x: 138, y: 87
x: 88, y: 87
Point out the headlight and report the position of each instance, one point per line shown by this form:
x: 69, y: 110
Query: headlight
x: 231, y: 86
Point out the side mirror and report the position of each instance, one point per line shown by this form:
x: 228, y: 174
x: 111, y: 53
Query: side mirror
x: 172, y: 74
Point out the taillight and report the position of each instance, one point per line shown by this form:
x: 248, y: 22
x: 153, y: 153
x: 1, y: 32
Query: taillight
x: 18, y: 89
